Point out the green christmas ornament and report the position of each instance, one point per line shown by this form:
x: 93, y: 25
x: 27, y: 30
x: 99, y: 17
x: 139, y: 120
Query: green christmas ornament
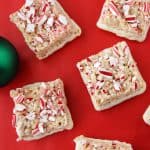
x: 9, y: 61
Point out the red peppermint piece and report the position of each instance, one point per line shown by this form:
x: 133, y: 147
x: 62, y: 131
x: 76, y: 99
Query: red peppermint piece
x: 130, y: 2
x: 19, y: 99
x: 60, y: 94
x: 131, y: 19
x: 146, y: 7
x: 135, y: 85
x: 59, y: 102
x: 35, y: 131
x: 116, y: 51
x: 44, y: 8
x: 42, y: 103
x: 113, y: 8
x: 106, y: 73
x: 14, y: 121
x: 88, y: 59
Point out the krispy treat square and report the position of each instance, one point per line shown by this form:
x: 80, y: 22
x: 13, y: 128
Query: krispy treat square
x: 40, y: 110
x: 146, y: 116
x: 45, y: 26
x: 85, y: 143
x: 111, y: 76
x: 126, y: 18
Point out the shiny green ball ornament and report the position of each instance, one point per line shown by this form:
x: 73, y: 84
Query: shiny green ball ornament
x: 9, y: 62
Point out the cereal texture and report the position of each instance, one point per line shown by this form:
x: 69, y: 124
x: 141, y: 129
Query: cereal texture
x: 126, y: 18
x: 40, y: 110
x: 111, y: 76
x: 45, y: 26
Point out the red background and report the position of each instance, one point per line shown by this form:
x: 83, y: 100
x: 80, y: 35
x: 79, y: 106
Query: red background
x: 123, y: 122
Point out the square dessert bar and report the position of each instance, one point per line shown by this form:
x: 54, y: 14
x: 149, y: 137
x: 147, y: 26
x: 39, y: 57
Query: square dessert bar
x: 84, y: 143
x: 111, y: 76
x: 126, y: 18
x: 45, y: 26
x: 40, y: 110
x: 146, y: 116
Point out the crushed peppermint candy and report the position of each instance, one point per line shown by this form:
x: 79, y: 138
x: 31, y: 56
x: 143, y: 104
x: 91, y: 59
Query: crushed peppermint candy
x: 36, y: 132
x: 106, y: 73
x: 63, y: 19
x: 116, y: 51
x: 21, y: 16
x: 41, y: 127
x: 42, y: 20
x: 28, y: 2
x: 19, y: 107
x: 50, y: 21
x: 131, y: 19
x: 146, y: 7
x: 126, y: 9
x: 30, y: 13
x: 97, y: 65
x: 113, y: 61
x: 117, y: 85
x: 130, y: 2
x: 42, y: 103
x: 99, y: 84
x: 39, y: 39
x: 52, y: 118
x: 52, y: 2
x: 113, y: 8
x: 30, y: 28
x: 19, y: 98
x: 31, y: 116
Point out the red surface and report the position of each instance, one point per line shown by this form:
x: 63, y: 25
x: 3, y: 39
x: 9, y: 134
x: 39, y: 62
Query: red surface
x: 123, y: 122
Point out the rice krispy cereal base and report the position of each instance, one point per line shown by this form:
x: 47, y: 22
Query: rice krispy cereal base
x: 84, y: 143
x: 45, y: 26
x: 126, y: 18
x: 111, y: 76
x: 146, y: 116
x: 40, y: 110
